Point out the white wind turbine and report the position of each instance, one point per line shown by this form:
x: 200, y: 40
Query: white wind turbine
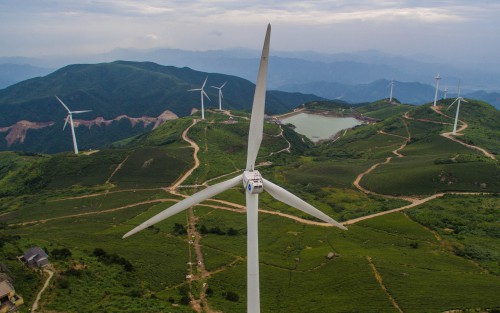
x: 253, y: 184
x: 437, y: 88
x: 202, y: 93
x: 445, y: 92
x: 392, y: 87
x: 70, y: 118
x: 220, y: 94
x: 459, y: 99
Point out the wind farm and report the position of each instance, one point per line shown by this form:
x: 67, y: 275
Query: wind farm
x: 437, y: 78
x: 188, y: 206
x: 392, y: 89
x: 220, y: 94
x: 458, y: 100
x: 71, y: 124
x: 202, y: 95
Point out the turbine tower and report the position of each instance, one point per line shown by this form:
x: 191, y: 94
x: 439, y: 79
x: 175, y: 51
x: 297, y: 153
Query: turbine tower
x: 253, y: 183
x: 202, y: 93
x: 220, y: 94
x: 459, y: 99
x: 445, y: 92
x: 70, y: 118
x: 437, y: 86
x: 392, y: 87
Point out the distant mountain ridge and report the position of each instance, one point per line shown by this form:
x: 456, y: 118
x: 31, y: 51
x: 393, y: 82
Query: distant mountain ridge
x: 11, y: 73
x: 304, y: 68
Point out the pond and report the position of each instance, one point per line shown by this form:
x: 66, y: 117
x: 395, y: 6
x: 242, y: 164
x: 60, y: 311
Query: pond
x: 319, y: 127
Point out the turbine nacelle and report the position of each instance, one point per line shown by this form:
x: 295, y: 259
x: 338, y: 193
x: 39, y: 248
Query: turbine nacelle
x: 252, y: 181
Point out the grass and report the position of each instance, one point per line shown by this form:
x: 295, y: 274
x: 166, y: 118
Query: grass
x: 469, y: 223
x: 153, y: 167
x: 223, y: 147
x: 449, y: 244
x: 293, y: 263
x: 54, y: 209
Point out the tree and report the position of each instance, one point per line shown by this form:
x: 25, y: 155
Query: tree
x: 232, y: 296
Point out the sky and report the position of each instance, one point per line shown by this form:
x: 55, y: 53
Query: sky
x: 455, y: 30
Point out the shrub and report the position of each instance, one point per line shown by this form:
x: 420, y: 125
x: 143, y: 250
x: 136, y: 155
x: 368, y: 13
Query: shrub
x: 114, y: 258
x: 180, y: 229
x: 62, y: 283
x: 61, y: 254
x: 185, y: 300
x: 232, y: 296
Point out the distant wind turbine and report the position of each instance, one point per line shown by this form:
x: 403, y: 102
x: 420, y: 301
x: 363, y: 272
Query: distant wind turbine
x: 459, y: 99
x: 445, y: 92
x: 220, y: 94
x: 437, y: 88
x: 392, y: 87
x: 70, y: 118
x: 202, y: 93
x: 253, y: 183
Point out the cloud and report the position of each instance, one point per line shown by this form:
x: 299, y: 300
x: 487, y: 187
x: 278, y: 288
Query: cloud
x: 151, y: 37
x: 56, y: 26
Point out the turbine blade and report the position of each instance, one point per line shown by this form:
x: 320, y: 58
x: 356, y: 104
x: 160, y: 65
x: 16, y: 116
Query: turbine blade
x: 64, y: 105
x: 259, y: 99
x: 194, y: 89
x: 84, y: 111
x: 188, y: 202
x: 203, y: 91
x: 292, y: 200
x: 223, y: 85
x: 452, y: 104
x: 66, y: 122
x: 203, y: 86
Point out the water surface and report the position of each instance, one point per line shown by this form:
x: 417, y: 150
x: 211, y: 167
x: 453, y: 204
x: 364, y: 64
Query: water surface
x: 318, y: 127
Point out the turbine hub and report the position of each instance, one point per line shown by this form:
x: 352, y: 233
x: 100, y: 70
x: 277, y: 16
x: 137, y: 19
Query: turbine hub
x: 252, y: 181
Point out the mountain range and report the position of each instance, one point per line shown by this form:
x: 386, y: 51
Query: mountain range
x: 144, y: 93
x: 351, y: 76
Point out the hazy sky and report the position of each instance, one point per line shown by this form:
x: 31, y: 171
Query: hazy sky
x: 448, y: 29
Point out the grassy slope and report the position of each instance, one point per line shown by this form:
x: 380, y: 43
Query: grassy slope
x: 294, y: 270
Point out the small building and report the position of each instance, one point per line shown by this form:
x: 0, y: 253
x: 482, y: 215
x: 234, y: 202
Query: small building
x: 35, y: 257
x: 9, y: 300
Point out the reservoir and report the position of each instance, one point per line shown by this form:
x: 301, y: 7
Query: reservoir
x: 319, y: 127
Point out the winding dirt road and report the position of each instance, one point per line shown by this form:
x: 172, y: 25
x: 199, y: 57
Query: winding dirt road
x: 195, y: 157
x: 414, y: 201
x: 199, y: 302
x: 39, y: 295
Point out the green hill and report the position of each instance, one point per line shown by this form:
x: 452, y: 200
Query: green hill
x: 85, y: 203
x: 134, y: 89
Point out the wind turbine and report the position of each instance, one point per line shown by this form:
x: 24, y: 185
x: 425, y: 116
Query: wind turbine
x: 202, y: 93
x: 459, y: 99
x: 437, y: 86
x: 70, y: 118
x: 220, y: 94
x: 392, y: 87
x: 445, y: 92
x: 253, y: 183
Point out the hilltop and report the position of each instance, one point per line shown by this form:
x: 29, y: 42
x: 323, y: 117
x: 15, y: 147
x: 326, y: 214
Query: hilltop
x: 126, y: 98
x: 446, y: 237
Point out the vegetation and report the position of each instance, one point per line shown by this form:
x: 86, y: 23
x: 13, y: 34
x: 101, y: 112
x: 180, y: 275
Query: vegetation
x: 79, y: 207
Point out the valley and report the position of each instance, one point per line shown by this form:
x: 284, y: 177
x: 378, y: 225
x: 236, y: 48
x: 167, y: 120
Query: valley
x: 383, y: 180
